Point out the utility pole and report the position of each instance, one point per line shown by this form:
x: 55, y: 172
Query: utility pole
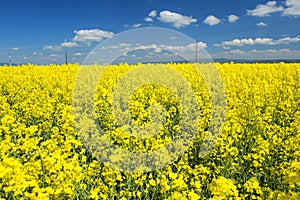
x: 196, y: 59
x: 9, y: 59
x: 66, y: 55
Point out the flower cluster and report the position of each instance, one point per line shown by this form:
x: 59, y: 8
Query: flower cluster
x: 257, y: 155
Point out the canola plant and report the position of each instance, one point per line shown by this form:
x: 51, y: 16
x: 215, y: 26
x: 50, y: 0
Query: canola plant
x: 256, y: 156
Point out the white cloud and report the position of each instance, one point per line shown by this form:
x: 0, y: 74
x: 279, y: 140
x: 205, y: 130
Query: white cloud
x: 119, y: 46
x: 236, y: 51
x: 136, y: 25
x: 259, y: 54
x: 199, y: 45
x: 293, y: 8
x: 125, y: 49
x: 202, y: 45
x: 288, y: 40
x: 265, y: 41
x: 212, y: 20
x: 190, y: 47
x: 153, y: 13
x: 53, y: 55
x: 15, y: 48
x: 69, y: 44
x: 232, y: 18
x: 261, y: 24
x: 25, y: 58
x: 34, y: 53
x: 177, y: 48
x: 92, y: 35
x: 148, y: 19
x: 111, y: 47
x: 157, y: 50
x: 77, y: 54
x: 62, y: 45
x: 144, y: 47
x: 259, y: 41
x: 176, y: 19
x: 249, y: 41
x: 125, y: 45
x: 237, y: 42
x: 50, y: 47
x: 264, y: 10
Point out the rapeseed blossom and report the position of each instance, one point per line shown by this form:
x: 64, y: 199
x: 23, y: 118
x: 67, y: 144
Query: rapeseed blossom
x: 257, y: 155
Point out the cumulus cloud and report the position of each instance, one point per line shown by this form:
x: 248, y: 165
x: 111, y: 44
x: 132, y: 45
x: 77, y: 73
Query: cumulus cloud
x: 51, y: 47
x: 212, y: 20
x: 237, y: 42
x: 293, y: 8
x: 157, y: 50
x: 48, y: 47
x: 150, y: 16
x: 148, y: 19
x: 125, y: 45
x: 199, y: 45
x: 262, y: 10
x: 118, y: 46
x: 144, y: 47
x: 202, y: 45
x: 261, y: 24
x: 232, y: 18
x: 258, y: 54
x: 153, y: 13
x: 15, y: 48
x: 176, y: 19
x: 259, y: 41
x: 69, y: 44
x: 288, y: 40
x: 188, y: 47
x: 191, y: 46
x: 61, y: 46
x: 92, y: 35
x: 53, y: 55
x: 249, y: 41
x: 77, y: 54
x: 156, y: 47
x: 236, y: 51
x: 136, y: 25
x: 265, y: 41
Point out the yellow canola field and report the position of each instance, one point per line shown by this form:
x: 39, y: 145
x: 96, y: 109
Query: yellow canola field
x: 257, y: 155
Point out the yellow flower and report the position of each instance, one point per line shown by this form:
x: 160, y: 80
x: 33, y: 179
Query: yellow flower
x: 193, y: 196
x: 252, y: 185
x: 223, y: 188
x: 94, y: 193
x: 43, y: 156
x: 152, y: 182
x: 138, y: 194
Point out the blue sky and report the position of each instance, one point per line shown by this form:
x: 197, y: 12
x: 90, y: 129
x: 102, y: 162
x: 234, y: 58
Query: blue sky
x: 39, y: 31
